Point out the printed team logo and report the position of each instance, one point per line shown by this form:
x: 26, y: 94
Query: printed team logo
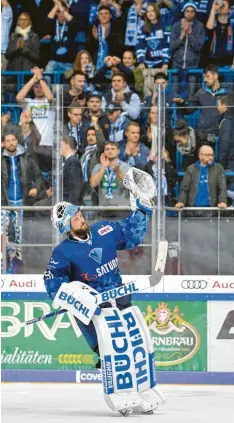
x: 105, y: 230
x: 154, y: 44
x: 175, y: 340
x: 39, y: 110
x: 96, y: 254
x: 52, y: 261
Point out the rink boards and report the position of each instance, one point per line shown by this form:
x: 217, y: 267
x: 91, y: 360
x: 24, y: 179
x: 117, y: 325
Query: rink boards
x: 191, y: 320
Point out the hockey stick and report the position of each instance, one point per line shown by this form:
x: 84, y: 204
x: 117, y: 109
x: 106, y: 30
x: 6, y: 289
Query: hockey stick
x: 159, y: 269
x: 121, y: 291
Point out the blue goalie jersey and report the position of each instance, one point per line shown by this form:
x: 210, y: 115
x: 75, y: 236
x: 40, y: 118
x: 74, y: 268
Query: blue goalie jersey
x: 95, y: 261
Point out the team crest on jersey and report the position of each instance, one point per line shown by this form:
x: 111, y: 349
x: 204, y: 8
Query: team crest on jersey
x: 105, y: 230
x: 96, y: 254
x: 153, y: 44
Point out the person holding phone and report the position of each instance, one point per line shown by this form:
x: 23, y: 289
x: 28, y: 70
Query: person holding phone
x: 222, y: 32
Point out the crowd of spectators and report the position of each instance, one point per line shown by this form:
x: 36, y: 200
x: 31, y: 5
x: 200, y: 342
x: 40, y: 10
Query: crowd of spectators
x: 113, y: 54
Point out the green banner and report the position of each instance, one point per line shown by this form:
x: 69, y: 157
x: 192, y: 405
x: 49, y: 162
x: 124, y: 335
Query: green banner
x: 179, y: 333
x: 56, y: 343
x: 178, y: 330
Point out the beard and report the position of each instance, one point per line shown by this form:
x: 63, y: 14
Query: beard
x: 82, y: 232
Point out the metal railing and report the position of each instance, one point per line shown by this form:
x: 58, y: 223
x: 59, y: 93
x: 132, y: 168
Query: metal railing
x: 57, y: 77
x: 6, y: 243
x: 188, y: 234
x: 204, y: 241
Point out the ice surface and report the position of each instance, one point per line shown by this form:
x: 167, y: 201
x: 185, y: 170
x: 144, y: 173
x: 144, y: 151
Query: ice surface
x: 70, y: 403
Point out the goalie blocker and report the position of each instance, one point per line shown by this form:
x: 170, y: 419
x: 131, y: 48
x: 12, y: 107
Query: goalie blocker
x: 127, y: 358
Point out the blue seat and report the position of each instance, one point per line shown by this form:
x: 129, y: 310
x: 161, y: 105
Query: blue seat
x: 179, y: 160
x: 192, y: 119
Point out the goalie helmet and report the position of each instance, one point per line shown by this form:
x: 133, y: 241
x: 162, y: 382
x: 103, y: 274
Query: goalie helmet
x: 61, y: 215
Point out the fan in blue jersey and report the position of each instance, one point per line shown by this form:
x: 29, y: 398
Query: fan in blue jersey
x: 89, y: 254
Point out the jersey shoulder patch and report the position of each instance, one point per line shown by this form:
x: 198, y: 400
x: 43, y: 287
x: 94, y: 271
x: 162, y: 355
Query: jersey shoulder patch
x: 105, y: 230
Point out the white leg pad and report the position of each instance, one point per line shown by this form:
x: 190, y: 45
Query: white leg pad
x: 127, y: 358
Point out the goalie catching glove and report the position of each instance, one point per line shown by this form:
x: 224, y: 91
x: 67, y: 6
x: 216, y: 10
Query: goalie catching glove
x: 142, y: 189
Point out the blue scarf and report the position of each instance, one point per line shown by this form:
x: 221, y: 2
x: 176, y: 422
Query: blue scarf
x: 133, y: 21
x: 74, y: 131
x: 110, y: 176
x: 117, y: 128
x: 164, y: 187
x: 131, y: 161
x: 102, y: 47
x: 85, y: 160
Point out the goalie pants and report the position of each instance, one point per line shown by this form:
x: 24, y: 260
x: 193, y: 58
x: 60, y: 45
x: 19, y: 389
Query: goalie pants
x: 89, y: 332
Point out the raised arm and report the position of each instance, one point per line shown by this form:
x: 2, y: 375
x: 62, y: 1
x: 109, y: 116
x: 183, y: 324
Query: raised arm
x: 131, y: 231
x: 211, y: 20
x: 37, y: 78
x: 25, y: 90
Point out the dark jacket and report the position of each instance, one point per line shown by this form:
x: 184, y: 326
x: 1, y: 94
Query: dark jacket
x: 216, y: 182
x: 115, y: 41
x: 226, y: 140
x: 188, y: 151
x: 94, y: 159
x: 206, y: 100
x: 30, y: 143
x: 171, y: 176
x: 222, y: 43
x: 186, y: 53
x: 23, y: 58
x: 80, y: 11
x: 72, y: 179
x: 103, y: 122
x: 83, y: 138
x: 172, y: 112
x: 68, y: 43
x: 37, y: 13
x: 29, y: 174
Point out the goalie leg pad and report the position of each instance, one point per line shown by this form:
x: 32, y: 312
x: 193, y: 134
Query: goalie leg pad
x: 150, y: 394
x: 127, y: 358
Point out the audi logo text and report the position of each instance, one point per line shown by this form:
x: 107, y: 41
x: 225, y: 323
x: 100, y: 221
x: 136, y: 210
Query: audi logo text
x: 194, y: 284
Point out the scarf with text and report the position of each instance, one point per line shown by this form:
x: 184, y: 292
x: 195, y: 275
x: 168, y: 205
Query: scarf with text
x: 110, y: 177
x: 133, y: 20
x: 85, y: 160
x: 102, y: 46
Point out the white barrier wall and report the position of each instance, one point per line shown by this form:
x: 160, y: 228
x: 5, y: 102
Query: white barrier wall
x: 220, y: 336
x: 187, y: 284
x: 191, y: 320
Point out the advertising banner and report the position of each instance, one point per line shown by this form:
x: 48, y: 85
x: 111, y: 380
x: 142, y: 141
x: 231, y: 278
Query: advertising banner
x: 199, y: 284
x: 177, y: 329
x: 179, y: 333
x: 56, y: 343
x: 184, y: 284
x: 221, y: 336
